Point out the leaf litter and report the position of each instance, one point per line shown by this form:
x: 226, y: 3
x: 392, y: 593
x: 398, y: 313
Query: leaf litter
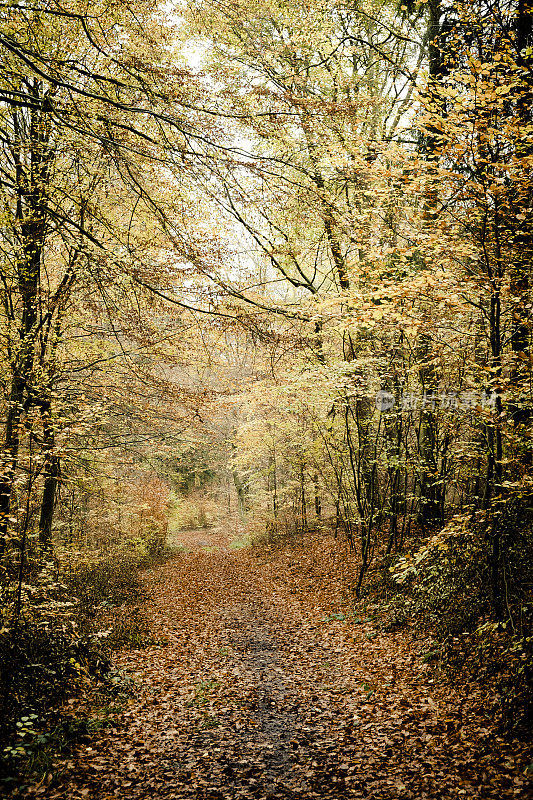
x: 263, y: 689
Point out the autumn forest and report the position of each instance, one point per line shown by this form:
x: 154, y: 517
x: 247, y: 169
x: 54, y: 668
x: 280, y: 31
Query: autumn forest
x: 266, y: 472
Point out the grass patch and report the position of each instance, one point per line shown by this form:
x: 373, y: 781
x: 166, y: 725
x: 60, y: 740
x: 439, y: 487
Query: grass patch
x: 241, y: 541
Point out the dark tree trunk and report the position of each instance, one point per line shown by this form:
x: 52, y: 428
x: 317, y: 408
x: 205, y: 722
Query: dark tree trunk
x: 51, y: 478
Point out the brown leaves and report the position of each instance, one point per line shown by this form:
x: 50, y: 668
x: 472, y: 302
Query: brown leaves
x: 263, y: 693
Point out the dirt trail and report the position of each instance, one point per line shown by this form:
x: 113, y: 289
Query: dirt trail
x: 255, y: 691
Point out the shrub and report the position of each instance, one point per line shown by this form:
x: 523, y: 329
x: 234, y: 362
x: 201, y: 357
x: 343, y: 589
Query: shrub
x: 106, y: 582
x: 60, y: 637
x: 42, y: 660
x: 448, y: 578
x: 448, y: 587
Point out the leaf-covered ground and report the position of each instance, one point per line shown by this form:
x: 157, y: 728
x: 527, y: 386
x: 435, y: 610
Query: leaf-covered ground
x: 261, y: 687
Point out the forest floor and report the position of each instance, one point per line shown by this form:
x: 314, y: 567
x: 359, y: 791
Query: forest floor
x: 263, y: 684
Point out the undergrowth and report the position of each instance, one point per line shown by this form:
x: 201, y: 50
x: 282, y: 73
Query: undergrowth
x: 445, y: 588
x: 57, y: 636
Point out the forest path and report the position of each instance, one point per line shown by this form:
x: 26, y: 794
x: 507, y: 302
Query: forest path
x: 257, y: 691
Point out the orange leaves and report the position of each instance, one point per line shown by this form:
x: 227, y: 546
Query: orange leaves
x: 263, y: 691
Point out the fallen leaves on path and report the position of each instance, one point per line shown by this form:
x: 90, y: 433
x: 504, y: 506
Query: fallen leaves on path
x: 265, y: 689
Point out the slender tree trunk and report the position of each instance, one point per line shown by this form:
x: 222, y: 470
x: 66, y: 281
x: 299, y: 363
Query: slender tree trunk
x: 318, y: 501
x: 430, y: 489
x: 10, y: 456
x: 494, y: 476
x: 303, y: 498
x: 521, y: 408
x: 241, y: 492
x: 51, y: 478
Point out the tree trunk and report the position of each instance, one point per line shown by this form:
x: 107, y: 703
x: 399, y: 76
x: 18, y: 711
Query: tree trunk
x: 51, y: 477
